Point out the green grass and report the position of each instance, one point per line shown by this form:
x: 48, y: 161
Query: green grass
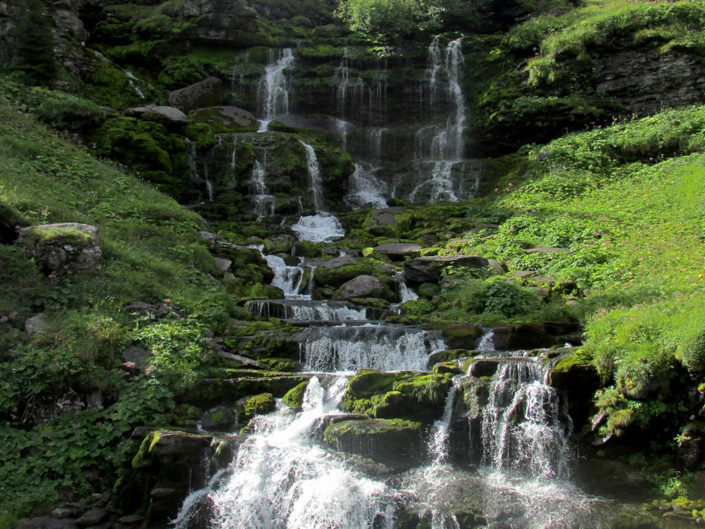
x: 152, y: 252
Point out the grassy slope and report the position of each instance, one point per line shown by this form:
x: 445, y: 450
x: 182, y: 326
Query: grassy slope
x: 151, y: 252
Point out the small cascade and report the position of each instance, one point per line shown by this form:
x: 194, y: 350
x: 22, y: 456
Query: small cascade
x: 444, y: 173
x: 305, y: 310
x: 263, y: 201
x: 438, y: 441
x: 486, y: 342
x: 344, y: 84
x: 314, y: 176
x: 287, y: 278
x: 323, y: 226
x: 233, y: 162
x: 273, y: 91
x: 280, y: 479
x: 405, y: 293
x: 365, y: 188
x: 381, y: 347
x: 132, y: 79
x: 524, y: 429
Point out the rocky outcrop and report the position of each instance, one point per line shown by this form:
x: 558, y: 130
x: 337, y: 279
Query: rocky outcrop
x: 68, y: 248
x: 225, y: 118
x: 161, y: 114
x: 206, y: 93
x: 364, y: 286
x: 428, y: 269
x: 394, y: 442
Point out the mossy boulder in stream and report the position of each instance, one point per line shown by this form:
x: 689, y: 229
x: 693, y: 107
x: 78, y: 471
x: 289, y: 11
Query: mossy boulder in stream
x: 407, y: 394
x: 395, y: 442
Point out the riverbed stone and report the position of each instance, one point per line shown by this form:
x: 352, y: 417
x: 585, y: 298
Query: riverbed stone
x: 428, y: 269
x: 364, y: 286
x: 399, y: 250
x: 395, y: 442
x: 63, y: 248
x: 206, y: 93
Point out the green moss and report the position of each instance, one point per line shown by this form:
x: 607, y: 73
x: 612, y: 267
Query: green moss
x: 259, y: 404
x: 294, y: 397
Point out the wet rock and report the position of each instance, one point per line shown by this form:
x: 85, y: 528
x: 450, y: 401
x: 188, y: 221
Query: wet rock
x: 63, y: 248
x: 224, y: 118
x: 220, y: 418
x: 62, y: 512
x: 222, y: 264
x: 462, y: 335
x: 46, y: 522
x: 523, y: 336
x: 92, y: 517
x: 39, y: 323
x: 428, y: 269
x: 399, y: 250
x: 395, y: 442
x: 484, y: 367
x: 161, y: 114
x: 206, y: 93
x: 364, y: 286
x: 575, y: 373
x: 131, y: 519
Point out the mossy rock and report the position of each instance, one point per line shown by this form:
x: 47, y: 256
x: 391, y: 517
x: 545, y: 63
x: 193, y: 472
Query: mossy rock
x: 413, y: 395
x: 395, y: 442
x: 294, y: 398
x: 461, y: 335
x: 576, y: 374
x: 259, y: 405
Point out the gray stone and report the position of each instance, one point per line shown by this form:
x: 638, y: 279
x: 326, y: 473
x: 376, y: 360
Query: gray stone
x: 428, y: 269
x: 37, y: 323
x: 224, y: 117
x: 131, y: 519
x: 336, y: 262
x: 399, y: 249
x: 364, y: 286
x: 46, y: 522
x: 386, y: 216
x: 223, y: 264
x: 63, y: 248
x: 206, y: 93
x: 220, y: 418
x: 161, y: 114
x: 92, y: 517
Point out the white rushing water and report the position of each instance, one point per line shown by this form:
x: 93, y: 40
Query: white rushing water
x: 305, y: 310
x: 280, y: 479
x: 287, y: 278
x: 439, y: 149
x: 366, y: 190
x: 273, y: 92
x: 263, y: 201
x: 381, y: 347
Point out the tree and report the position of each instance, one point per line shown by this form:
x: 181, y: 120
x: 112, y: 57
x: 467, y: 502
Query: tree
x: 34, y: 43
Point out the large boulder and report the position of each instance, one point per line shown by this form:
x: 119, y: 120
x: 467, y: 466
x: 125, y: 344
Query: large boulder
x: 364, y: 286
x: 399, y: 250
x: 160, y: 114
x: 63, y: 248
x: 394, y: 442
x: 206, y: 93
x: 428, y: 269
x: 225, y: 118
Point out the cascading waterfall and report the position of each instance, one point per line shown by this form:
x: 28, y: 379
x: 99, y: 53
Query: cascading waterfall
x: 381, y: 347
x: 524, y: 429
x: 365, y: 188
x: 287, y: 278
x: 274, y: 89
x: 263, y: 201
x: 305, y: 310
x: 345, y: 83
x: 323, y: 226
x: 440, y: 150
x: 281, y: 480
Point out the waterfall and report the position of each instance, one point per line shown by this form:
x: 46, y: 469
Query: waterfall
x: 281, y: 480
x: 263, y: 201
x: 365, y: 188
x: 287, y: 278
x: 305, y: 310
x: 345, y: 83
x: 323, y: 226
x: 314, y: 176
x: 440, y: 149
x: 524, y: 429
x: 381, y: 347
x: 233, y: 162
x: 273, y: 92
